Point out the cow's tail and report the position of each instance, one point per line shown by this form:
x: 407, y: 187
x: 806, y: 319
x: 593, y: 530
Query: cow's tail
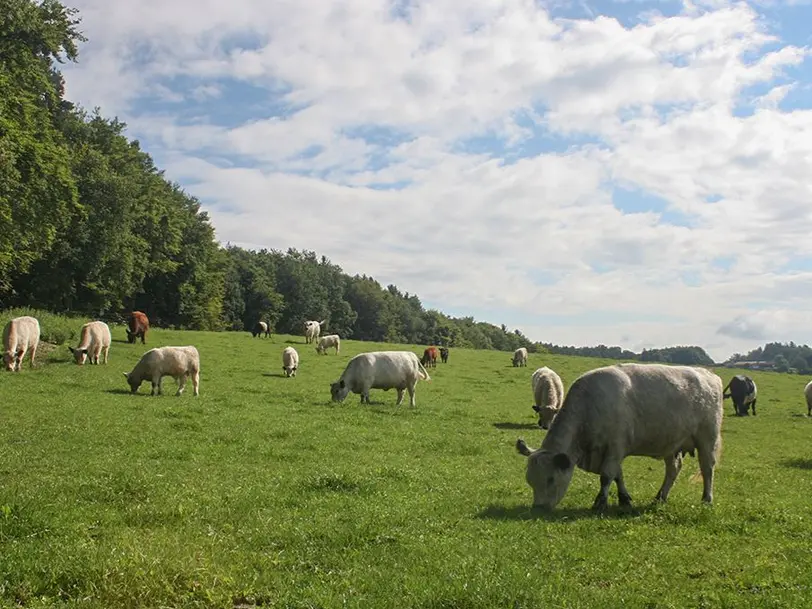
x: 725, y: 394
x: 422, y: 371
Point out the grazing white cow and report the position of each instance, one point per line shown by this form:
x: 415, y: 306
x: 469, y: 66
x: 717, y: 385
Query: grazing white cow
x: 312, y: 330
x: 290, y: 361
x: 548, y: 395
x: 380, y: 370
x: 325, y: 342
x: 177, y: 362
x: 20, y: 335
x: 651, y: 410
x: 93, y: 339
x: 520, y: 357
x: 808, y: 396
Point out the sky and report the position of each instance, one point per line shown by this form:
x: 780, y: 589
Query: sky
x: 626, y: 172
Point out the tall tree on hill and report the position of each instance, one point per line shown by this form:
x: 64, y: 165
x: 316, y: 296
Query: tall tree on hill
x: 37, y: 190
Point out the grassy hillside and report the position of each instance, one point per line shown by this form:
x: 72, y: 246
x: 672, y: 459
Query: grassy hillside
x: 263, y: 492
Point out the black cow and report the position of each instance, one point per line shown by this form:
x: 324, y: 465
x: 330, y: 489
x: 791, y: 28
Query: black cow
x: 743, y: 392
x: 444, y: 354
x: 261, y: 328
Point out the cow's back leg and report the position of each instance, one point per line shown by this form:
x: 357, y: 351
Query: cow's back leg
x: 400, y: 396
x: 708, y: 451
x: 753, y: 405
x: 673, y: 466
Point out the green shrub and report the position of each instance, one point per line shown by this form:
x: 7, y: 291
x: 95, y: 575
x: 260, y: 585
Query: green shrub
x: 54, y: 328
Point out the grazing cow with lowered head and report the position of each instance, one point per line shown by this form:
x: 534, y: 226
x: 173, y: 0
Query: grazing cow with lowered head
x: 520, y: 357
x: 261, y: 328
x: 444, y: 354
x: 380, y: 370
x: 429, y: 358
x: 137, y: 326
x: 93, y: 339
x: 743, y: 392
x: 312, y: 330
x: 325, y: 342
x: 548, y: 395
x: 808, y: 396
x: 177, y: 362
x: 651, y: 410
x: 290, y: 361
x: 20, y: 335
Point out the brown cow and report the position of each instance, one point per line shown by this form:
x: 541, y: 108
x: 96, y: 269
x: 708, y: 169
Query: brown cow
x: 430, y: 357
x: 137, y: 325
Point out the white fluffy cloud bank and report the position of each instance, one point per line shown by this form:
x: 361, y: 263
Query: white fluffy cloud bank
x: 642, y: 182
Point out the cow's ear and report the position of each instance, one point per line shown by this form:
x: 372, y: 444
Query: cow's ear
x: 341, y: 383
x: 70, y: 348
x: 536, y: 408
x: 562, y: 461
x: 126, y: 375
x: 19, y: 353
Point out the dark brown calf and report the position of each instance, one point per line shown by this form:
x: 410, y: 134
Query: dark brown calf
x: 137, y: 325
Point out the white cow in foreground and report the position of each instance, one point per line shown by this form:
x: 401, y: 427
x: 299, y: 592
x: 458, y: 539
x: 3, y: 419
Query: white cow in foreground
x: 331, y: 340
x: 20, y: 335
x: 650, y: 410
x: 177, y: 362
x: 548, y: 395
x: 93, y: 339
x: 312, y: 330
x: 808, y: 396
x: 520, y: 357
x: 380, y: 370
x: 290, y: 361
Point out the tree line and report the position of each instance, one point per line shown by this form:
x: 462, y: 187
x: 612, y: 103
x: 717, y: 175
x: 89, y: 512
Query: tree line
x: 90, y: 226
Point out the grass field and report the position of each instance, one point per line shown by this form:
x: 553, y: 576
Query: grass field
x: 261, y: 492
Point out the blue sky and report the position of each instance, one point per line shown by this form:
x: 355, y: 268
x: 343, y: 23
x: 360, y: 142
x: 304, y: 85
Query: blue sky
x: 631, y: 173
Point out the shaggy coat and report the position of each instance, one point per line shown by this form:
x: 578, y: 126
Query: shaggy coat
x: 651, y: 410
x: 93, y: 339
x: 20, y: 335
x: 178, y: 362
x: 380, y: 370
x: 548, y: 395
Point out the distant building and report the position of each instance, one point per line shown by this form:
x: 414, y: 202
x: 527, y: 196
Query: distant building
x: 750, y: 365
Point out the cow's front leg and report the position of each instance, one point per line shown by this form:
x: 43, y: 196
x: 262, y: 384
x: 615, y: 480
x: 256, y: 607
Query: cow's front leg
x: 602, y: 499
x: 754, y: 407
x: 400, y: 397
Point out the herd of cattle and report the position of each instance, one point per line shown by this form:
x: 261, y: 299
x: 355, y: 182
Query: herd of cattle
x: 609, y: 413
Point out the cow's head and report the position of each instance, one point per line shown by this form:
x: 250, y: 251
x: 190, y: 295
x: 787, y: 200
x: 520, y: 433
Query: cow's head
x: 130, y: 337
x: 548, y: 474
x: 10, y: 359
x: 546, y: 415
x: 134, y: 382
x: 79, y: 355
x: 339, y: 390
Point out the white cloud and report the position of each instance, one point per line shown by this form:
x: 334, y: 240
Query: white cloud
x: 657, y: 103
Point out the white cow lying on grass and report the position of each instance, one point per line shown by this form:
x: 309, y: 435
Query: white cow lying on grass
x: 650, y: 410
x: 177, y: 362
x: 93, y: 339
x: 20, y: 335
x: 548, y: 395
x: 290, y: 361
x: 325, y: 342
x: 380, y: 370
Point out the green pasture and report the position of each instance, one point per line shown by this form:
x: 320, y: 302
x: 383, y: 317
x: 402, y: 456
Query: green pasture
x: 261, y: 492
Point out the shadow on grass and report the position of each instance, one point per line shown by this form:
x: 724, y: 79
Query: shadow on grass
x: 805, y: 464
x: 125, y: 392
x: 279, y: 375
x: 508, y: 425
x: 525, y: 512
